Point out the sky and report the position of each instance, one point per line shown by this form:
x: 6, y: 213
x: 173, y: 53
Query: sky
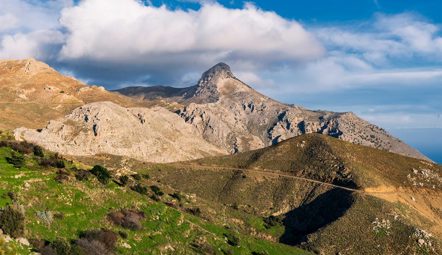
x: 381, y: 59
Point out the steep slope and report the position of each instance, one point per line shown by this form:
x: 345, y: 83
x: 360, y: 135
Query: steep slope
x: 329, y: 196
x: 32, y: 93
x: 232, y: 115
x: 148, y: 134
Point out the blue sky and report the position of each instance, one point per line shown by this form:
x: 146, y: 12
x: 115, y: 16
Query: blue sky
x: 379, y: 59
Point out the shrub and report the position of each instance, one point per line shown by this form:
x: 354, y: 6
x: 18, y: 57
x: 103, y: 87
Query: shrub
x: 146, y: 176
x: 231, y: 239
x: 102, y: 174
x: 62, y: 176
x: 53, y: 161
x: 106, y: 237
x: 122, y: 234
x: 195, y: 211
x: 155, y: 198
x: 136, y: 177
x: 272, y: 221
x: 139, y: 188
x: 21, y: 147
x: 12, y: 222
x: 38, y: 151
x: 156, y: 190
x: 124, y: 180
x: 129, y: 219
x: 17, y: 160
x: 177, y: 196
x: 61, y: 247
x: 82, y: 175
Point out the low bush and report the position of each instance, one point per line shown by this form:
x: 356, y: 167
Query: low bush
x: 57, y: 247
x: 129, y: 219
x: 136, y: 177
x: 272, y: 221
x: 177, y: 196
x: 16, y: 159
x: 124, y: 180
x: 195, y: 211
x: 102, y: 174
x: 52, y: 161
x: 62, y: 176
x: 139, y: 188
x: 97, y: 242
x: 82, y: 175
x: 123, y: 234
x: 156, y: 190
x: 21, y: 147
x: 38, y: 151
x: 231, y: 239
x: 12, y: 221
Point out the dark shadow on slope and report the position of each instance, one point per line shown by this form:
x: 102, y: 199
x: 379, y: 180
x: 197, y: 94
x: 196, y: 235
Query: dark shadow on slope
x: 308, y: 218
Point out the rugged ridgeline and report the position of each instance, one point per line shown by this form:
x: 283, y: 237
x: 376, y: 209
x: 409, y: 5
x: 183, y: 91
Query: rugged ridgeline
x: 32, y: 93
x: 232, y: 115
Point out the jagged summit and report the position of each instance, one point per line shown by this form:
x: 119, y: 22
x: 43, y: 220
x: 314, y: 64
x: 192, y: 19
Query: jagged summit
x: 219, y: 70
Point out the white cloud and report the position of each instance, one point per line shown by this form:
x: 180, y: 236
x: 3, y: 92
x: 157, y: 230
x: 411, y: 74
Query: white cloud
x: 30, y: 28
x: 127, y: 31
x: 387, y: 39
x: 39, y: 44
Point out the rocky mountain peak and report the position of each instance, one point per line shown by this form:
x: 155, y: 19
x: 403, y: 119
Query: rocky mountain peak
x: 219, y: 70
x: 206, y: 91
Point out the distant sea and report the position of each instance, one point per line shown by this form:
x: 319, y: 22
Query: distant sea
x: 427, y: 140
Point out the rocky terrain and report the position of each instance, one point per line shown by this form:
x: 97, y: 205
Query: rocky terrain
x: 32, y: 93
x: 233, y: 116
x: 148, y: 134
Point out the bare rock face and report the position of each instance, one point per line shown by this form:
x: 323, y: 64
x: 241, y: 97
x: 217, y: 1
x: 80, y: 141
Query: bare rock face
x: 230, y: 114
x: 148, y: 134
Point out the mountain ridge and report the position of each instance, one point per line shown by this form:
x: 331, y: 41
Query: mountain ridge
x: 234, y: 116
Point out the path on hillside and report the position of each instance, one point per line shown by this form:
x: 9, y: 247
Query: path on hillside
x: 276, y: 173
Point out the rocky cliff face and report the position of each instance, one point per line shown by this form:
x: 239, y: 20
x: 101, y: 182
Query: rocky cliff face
x: 233, y: 116
x: 148, y: 134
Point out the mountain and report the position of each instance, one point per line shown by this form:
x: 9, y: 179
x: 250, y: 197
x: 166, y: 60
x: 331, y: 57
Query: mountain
x: 149, y: 134
x: 232, y: 115
x: 33, y: 93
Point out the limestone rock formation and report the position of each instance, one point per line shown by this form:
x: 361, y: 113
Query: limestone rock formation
x: 147, y: 134
x: 232, y: 115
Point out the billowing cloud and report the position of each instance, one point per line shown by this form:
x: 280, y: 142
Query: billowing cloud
x: 127, y: 31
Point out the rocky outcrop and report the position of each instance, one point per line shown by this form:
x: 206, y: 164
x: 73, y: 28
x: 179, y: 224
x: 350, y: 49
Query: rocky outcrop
x: 233, y: 116
x: 147, y: 134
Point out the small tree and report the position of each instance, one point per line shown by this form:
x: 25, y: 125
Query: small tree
x: 102, y: 174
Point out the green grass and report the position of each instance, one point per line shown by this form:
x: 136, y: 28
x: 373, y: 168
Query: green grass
x: 84, y: 206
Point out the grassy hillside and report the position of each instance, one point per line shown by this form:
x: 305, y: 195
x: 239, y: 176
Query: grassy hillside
x: 68, y: 210
x: 328, y: 195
